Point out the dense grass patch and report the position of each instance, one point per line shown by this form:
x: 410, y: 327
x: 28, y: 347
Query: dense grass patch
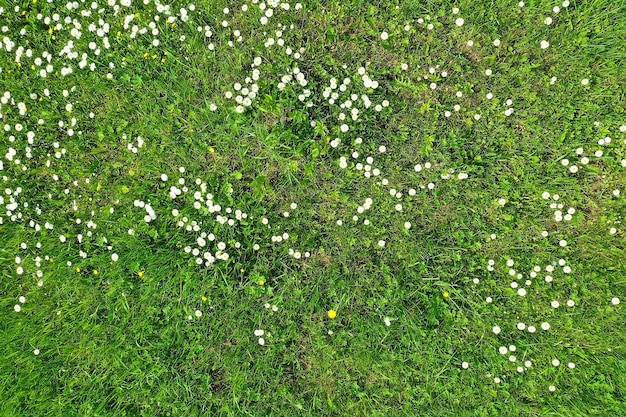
x: 327, y: 208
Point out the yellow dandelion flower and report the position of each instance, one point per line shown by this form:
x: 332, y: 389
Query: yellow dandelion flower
x: 446, y: 294
x: 211, y: 149
x: 261, y: 281
x: 204, y: 298
x: 77, y: 269
x: 95, y: 272
x: 332, y: 314
x: 140, y: 273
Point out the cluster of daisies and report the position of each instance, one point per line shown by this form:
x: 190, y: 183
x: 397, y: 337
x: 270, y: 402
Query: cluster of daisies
x: 131, y: 146
x: 87, y: 29
x: 300, y: 78
x: 557, y: 207
x: 520, y: 283
x: 37, y: 124
x: 245, y: 92
x: 27, y: 139
x: 584, y: 159
x: 344, y: 98
x: 427, y: 171
x: 261, y: 334
x: 198, y: 197
x: 204, y: 204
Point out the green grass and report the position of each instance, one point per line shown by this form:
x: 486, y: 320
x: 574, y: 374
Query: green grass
x: 121, y: 338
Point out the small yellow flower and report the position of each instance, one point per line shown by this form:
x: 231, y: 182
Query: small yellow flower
x: 136, y: 14
x: 446, y: 294
x: 211, y: 149
x: 95, y: 272
x: 204, y: 298
x: 261, y: 281
x: 332, y: 314
x: 140, y: 273
x: 77, y: 269
x: 51, y: 259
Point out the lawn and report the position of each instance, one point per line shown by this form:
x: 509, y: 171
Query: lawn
x: 326, y: 208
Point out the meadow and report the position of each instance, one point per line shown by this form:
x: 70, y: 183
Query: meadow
x: 324, y: 208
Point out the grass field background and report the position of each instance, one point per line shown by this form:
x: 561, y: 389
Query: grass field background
x: 454, y: 247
